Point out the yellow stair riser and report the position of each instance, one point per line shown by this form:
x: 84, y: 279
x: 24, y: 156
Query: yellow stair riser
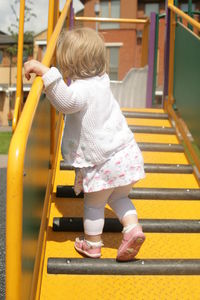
x: 156, y: 246
x: 121, y: 287
x: 152, y: 180
x: 146, y: 209
x: 148, y: 110
x: 154, y: 138
x: 148, y: 122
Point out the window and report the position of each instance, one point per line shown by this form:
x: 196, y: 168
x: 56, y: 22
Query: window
x: 110, y: 9
x: 113, y: 62
x: 151, y: 7
x: 44, y: 48
x: 184, y: 7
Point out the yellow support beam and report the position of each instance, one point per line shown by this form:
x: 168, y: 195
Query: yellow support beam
x: 145, y: 42
x: 184, y: 16
x: 15, y: 170
x: 19, y: 88
x: 52, y: 19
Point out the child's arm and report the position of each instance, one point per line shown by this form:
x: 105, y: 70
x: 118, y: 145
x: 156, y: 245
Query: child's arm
x: 62, y: 97
x: 34, y: 66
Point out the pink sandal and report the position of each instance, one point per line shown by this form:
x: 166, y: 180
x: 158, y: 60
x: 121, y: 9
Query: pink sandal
x: 131, y: 244
x: 83, y: 247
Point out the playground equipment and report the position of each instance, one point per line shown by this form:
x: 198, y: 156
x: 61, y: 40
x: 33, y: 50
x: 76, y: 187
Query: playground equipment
x: 41, y: 262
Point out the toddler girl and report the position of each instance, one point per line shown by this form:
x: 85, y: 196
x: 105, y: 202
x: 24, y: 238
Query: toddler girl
x: 96, y: 139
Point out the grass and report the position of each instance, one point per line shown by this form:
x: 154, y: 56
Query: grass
x: 5, y: 138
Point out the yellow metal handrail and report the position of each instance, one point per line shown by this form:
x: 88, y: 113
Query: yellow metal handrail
x: 19, y: 87
x: 187, y: 18
x: 15, y: 173
x: 52, y: 17
x: 145, y: 22
x: 111, y: 20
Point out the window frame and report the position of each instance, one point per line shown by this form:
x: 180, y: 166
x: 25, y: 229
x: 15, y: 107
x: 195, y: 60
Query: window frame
x: 117, y: 46
x: 151, y: 3
x: 105, y: 25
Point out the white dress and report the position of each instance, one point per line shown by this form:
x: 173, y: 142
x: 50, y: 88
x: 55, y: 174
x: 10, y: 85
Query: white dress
x: 123, y: 168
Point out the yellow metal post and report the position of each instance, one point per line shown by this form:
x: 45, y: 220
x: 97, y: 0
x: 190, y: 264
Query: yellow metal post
x: 15, y: 169
x: 13, y: 263
x: 51, y: 17
x: 68, y: 20
x: 19, y: 89
x: 145, y: 38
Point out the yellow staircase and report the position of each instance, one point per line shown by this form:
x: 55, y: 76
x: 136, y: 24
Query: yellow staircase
x: 168, y: 206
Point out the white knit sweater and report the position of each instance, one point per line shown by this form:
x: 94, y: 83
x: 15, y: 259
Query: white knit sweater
x: 95, y: 128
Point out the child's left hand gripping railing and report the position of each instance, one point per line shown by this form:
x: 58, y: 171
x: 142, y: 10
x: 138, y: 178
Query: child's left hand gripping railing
x: 15, y: 174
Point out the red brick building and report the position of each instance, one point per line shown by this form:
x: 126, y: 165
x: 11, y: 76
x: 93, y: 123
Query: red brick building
x: 124, y: 41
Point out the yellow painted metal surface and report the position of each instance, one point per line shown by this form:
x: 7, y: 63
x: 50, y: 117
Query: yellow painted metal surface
x: 151, y: 110
x: 19, y: 87
x: 145, y: 40
x: 154, y: 138
x: 15, y: 175
x: 148, y: 122
x: 146, y: 209
x: 121, y: 287
x: 156, y: 246
x: 111, y: 20
x: 152, y: 180
x: 164, y: 158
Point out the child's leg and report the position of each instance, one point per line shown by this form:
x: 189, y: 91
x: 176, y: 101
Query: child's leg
x: 94, y: 204
x: 123, y: 206
x: 133, y: 237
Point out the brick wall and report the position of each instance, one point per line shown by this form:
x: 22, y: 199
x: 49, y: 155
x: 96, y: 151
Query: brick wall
x: 129, y: 55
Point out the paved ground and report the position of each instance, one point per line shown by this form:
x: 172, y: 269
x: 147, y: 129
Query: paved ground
x: 3, y: 160
x: 3, y: 170
x: 2, y: 230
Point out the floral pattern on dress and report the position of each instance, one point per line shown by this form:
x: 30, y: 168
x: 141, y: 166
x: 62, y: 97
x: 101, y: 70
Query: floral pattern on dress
x: 123, y: 168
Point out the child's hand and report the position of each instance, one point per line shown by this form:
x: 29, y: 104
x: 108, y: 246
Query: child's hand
x: 34, y: 66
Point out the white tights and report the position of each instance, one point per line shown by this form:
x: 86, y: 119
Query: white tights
x: 94, y: 204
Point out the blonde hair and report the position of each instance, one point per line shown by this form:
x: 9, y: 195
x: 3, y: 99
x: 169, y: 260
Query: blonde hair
x: 81, y: 53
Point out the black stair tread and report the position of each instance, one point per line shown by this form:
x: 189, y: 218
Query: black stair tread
x: 142, y: 193
x: 112, y: 267
x: 168, y: 168
x: 73, y: 224
x: 161, y: 147
x: 152, y: 129
x: 165, y: 193
x: 145, y: 115
x: 150, y: 168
